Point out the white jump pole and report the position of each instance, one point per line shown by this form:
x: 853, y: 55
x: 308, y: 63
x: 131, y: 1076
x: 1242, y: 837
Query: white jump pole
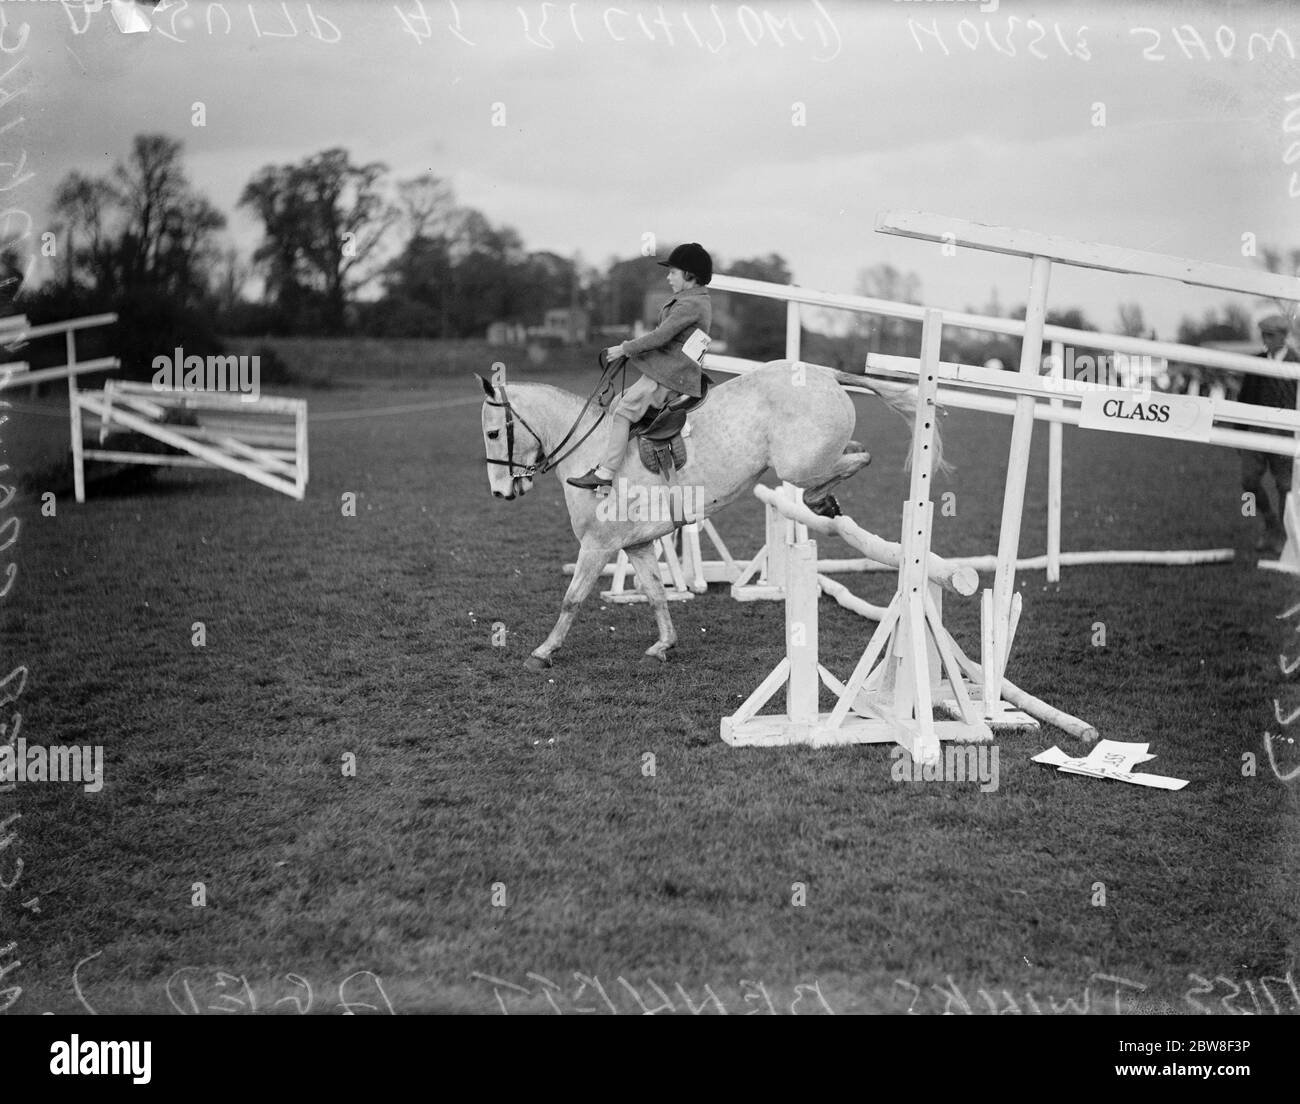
x: 779, y: 531
x: 1054, y: 457
x: 793, y: 351
x: 74, y: 423
x: 954, y: 577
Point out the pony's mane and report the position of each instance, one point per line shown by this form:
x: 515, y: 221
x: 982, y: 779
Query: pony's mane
x: 559, y: 392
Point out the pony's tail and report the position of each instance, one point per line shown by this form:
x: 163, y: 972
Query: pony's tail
x: 901, y: 399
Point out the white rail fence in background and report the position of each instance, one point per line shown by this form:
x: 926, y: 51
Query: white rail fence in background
x: 264, y: 440
x: 69, y: 370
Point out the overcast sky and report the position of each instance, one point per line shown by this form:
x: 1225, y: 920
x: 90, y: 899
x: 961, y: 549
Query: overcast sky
x: 677, y: 119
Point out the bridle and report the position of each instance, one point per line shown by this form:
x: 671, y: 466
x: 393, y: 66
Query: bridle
x: 544, y: 462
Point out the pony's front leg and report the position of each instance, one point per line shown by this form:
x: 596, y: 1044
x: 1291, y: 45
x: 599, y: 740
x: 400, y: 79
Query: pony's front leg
x: 591, y: 562
x: 646, y: 565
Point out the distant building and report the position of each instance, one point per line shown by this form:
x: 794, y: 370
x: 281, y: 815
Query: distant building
x: 568, y: 325
x: 506, y: 333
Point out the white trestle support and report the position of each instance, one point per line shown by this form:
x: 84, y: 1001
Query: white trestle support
x: 670, y: 570
x: 698, y: 571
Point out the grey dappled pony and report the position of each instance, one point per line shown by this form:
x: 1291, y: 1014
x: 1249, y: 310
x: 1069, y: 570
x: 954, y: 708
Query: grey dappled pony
x: 792, y: 417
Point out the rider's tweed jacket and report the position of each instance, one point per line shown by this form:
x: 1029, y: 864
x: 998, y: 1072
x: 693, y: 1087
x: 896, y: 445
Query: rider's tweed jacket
x: 659, y: 354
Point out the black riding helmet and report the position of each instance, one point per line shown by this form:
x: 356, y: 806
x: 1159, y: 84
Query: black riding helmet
x: 693, y: 258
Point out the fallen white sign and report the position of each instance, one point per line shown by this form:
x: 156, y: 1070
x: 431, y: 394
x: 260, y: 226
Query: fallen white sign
x: 1111, y: 759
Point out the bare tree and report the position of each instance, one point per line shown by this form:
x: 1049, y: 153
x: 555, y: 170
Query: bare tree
x: 324, y: 218
x: 884, y: 281
x: 427, y: 205
x: 84, y: 206
x: 151, y: 188
x: 231, y: 275
x: 142, y: 227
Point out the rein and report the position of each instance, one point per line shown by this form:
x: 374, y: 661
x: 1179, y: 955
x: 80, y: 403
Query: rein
x: 544, y: 461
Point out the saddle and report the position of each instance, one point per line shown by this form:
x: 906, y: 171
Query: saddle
x: 658, y: 432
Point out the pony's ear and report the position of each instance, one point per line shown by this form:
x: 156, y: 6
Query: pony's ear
x: 488, y: 389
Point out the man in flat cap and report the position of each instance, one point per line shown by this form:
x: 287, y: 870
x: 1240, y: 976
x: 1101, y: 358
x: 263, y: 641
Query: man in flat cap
x: 1270, y: 391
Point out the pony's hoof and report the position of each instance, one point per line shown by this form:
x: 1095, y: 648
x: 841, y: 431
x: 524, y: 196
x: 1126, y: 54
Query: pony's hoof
x: 661, y: 656
x: 537, y: 663
x: 828, y: 507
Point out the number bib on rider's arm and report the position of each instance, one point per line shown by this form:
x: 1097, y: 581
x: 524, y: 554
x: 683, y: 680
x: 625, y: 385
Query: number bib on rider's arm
x: 696, y: 345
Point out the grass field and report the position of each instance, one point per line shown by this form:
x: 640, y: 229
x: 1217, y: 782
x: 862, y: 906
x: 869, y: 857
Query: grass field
x: 371, y: 636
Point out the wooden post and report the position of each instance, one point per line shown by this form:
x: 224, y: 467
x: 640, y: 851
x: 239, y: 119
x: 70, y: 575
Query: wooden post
x: 1013, y: 504
x: 300, y: 446
x: 74, y: 422
x: 1289, y: 559
x: 1054, y: 444
x: 793, y: 348
x: 693, y: 558
x: 777, y: 530
x: 918, y: 521
x: 1291, y: 507
x: 802, y: 593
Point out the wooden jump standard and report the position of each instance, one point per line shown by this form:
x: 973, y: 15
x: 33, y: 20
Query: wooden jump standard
x: 911, y: 663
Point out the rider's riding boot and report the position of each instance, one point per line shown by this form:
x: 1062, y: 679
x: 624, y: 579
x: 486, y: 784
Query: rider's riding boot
x: 590, y: 481
x: 619, y: 431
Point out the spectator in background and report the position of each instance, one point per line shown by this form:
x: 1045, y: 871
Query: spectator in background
x: 1269, y: 391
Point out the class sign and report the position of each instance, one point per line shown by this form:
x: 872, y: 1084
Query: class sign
x: 1186, y: 417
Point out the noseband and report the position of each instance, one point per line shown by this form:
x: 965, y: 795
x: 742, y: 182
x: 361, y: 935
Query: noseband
x: 511, y: 415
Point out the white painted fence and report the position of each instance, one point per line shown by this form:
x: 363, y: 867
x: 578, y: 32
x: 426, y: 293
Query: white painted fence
x: 264, y: 440
x: 1042, y: 252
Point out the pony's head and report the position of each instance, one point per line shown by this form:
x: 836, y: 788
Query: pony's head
x: 513, y: 449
